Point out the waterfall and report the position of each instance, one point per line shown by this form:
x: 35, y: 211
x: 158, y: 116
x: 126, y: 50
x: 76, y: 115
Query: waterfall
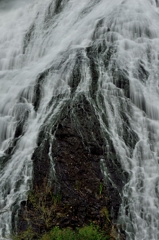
x: 53, y: 52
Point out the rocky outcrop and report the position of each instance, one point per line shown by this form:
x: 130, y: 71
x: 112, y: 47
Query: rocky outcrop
x: 78, y: 194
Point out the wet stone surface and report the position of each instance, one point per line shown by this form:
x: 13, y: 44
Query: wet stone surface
x: 78, y: 195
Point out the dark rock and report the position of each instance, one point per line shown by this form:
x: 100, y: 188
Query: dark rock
x: 77, y: 150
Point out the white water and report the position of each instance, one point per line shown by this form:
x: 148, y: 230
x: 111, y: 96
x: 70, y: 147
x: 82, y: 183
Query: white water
x: 134, y: 32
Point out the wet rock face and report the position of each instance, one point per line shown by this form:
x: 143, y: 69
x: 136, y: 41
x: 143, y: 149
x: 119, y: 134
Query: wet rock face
x: 78, y: 172
x: 79, y: 176
x: 77, y: 149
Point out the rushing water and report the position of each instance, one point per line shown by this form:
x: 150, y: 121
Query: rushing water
x: 115, y: 47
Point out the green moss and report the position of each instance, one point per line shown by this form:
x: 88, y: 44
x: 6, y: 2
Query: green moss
x: 90, y: 232
x: 59, y: 234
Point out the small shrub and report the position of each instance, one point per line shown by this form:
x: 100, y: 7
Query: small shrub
x: 60, y: 234
x: 91, y: 232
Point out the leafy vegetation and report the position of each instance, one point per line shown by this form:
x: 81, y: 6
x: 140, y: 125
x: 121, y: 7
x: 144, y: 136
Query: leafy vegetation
x: 90, y: 232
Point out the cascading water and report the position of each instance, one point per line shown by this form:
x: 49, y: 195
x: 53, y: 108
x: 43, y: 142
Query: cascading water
x: 52, y: 52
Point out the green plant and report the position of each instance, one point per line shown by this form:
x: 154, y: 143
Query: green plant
x: 90, y: 232
x: 60, y: 234
x: 100, y: 188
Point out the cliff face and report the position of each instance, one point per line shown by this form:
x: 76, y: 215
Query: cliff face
x: 78, y: 193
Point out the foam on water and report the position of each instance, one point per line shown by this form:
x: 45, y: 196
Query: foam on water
x: 37, y: 36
